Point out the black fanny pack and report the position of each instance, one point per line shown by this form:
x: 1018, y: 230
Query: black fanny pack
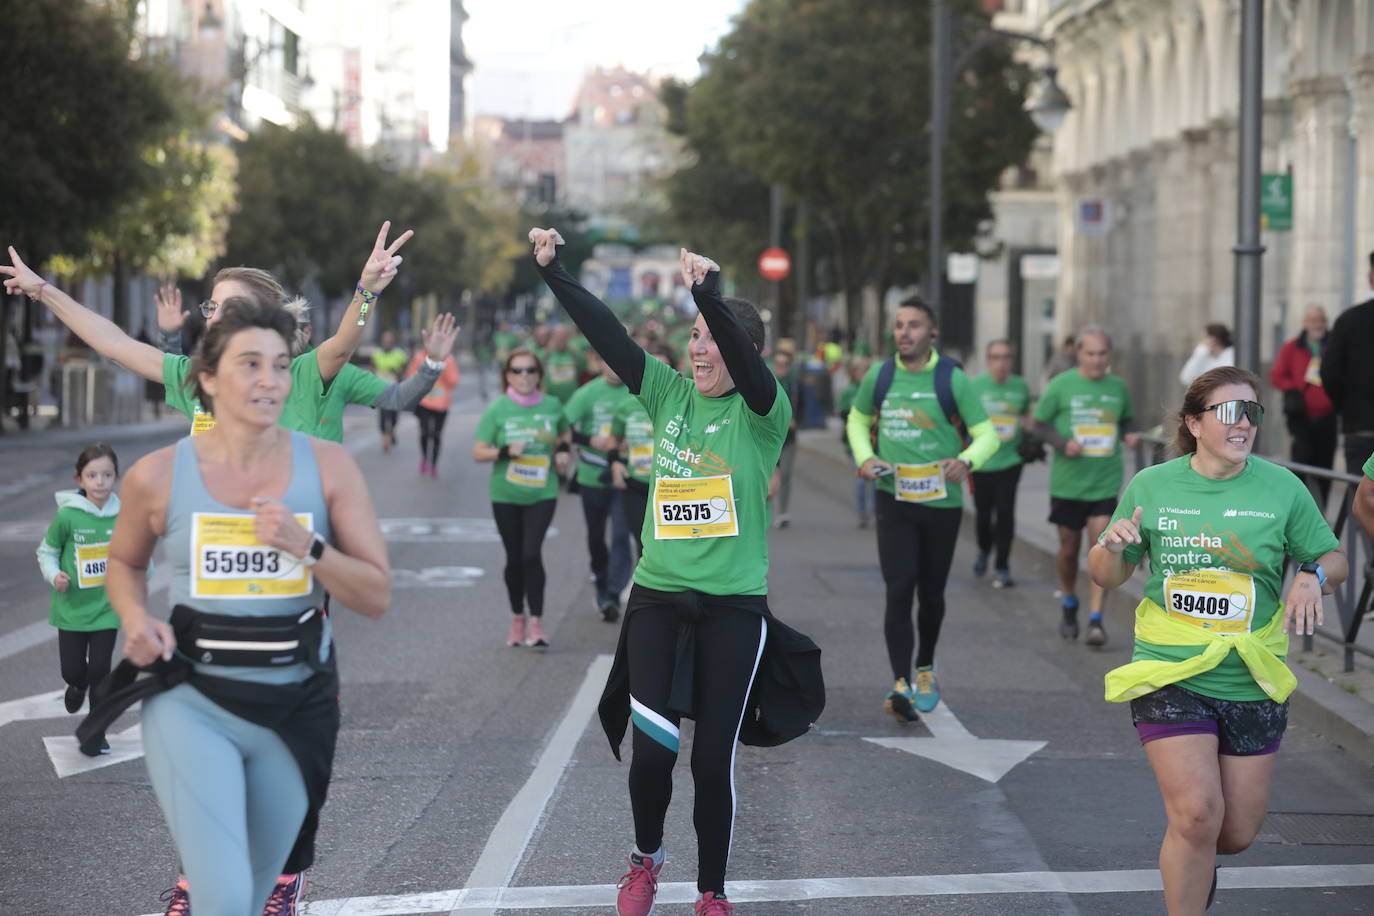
x: 255, y: 642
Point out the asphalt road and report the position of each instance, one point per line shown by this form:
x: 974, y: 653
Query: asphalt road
x: 465, y: 767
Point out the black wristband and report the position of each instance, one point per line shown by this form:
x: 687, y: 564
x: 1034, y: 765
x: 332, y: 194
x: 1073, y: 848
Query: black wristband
x: 503, y: 453
x: 563, y: 447
x: 612, y: 457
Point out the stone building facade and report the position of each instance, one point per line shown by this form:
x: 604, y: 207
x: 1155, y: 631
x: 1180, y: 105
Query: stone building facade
x: 1145, y: 170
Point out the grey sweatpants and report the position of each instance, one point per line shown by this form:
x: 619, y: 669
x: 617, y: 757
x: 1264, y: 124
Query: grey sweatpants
x: 232, y: 794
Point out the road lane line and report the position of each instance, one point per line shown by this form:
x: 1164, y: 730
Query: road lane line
x: 475, y: 899
x: 26, y: 637
x: 513, y: 832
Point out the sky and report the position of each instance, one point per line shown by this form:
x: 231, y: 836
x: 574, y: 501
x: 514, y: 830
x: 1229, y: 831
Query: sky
x: 530, y: 55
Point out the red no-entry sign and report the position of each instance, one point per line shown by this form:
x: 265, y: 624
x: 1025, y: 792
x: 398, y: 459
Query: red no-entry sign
x: 774, y: 264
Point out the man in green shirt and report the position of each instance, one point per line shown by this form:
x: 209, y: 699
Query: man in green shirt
x: 591, y: 416
x: 920, y: 473
x: 1083, y: 414
x: 1006, y: 401
x: 562, y: 372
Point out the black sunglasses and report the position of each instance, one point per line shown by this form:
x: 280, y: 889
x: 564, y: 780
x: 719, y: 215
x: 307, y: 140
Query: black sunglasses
x: 524, y: 370
x: 1229, y: 412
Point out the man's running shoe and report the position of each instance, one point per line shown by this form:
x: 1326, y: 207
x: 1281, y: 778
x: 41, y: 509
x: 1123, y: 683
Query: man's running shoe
x: 712, y: 904
x: 517, y: 632
x: 286, y: 896
x: 178, y: 899
x: 638, y: 887
x: 1068, y: 626
x: 73, y: 698
x: 980, y: 564
x: 1003, y: 580
x: 1097, y: 635
x: 609, y: 608
x: 534, y: 634
x: 927, y: 689
x: 900, y: 702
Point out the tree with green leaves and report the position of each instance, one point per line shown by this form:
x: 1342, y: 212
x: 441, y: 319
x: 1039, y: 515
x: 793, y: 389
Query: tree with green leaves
x: 831, y: 99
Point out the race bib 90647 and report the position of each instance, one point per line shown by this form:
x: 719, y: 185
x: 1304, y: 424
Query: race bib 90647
x: 919, y: 483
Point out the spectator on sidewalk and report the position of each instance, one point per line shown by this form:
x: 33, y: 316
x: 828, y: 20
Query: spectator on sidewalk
x: 1348, y: 377
x: 1311, y: 419
x: 1212, y: 351
x: 1064, y: 359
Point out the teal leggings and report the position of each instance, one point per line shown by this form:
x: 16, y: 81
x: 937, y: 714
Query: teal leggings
x: 232, y: 795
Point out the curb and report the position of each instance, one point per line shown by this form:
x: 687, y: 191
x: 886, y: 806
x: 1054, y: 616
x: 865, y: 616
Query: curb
x: 1317, y: 705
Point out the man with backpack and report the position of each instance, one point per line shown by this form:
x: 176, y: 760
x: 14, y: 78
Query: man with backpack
x: 1083, y: 414
x: 924, y: 407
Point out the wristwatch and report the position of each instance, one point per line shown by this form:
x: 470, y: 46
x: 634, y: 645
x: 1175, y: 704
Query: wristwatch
x: 1315, y: 569
x: 436, y: 364
x: 316, y: 550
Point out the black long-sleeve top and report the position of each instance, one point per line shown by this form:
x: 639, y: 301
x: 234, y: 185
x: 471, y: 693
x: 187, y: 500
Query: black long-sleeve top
x: 1347, y: 377
x: 753, y: 379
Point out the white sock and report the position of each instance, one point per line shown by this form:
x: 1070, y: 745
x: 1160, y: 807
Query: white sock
x: 654, y: 859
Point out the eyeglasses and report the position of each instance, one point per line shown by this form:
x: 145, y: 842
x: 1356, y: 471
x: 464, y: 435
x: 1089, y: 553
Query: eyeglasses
x: 208, y: 308
x: 524, y: 370
x: 1229, y: 412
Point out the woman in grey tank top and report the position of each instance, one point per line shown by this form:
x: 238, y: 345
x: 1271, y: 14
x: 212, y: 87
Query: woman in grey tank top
x: 259, y: 522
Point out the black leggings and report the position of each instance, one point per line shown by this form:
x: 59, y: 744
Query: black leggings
x: 634, y: 502
x: 915, y: 547
x: 994, y: 493
x: 729, y: 641
x: 522, y: 531
x: 431, y: 431
x: 85, y: 656
x: 386, y: 419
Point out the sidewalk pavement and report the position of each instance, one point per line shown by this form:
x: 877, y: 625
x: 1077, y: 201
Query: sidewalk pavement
x: 1337, y: 705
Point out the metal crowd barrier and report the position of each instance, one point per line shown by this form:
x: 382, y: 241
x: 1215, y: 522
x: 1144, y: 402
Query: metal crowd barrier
x: 1353, y: 606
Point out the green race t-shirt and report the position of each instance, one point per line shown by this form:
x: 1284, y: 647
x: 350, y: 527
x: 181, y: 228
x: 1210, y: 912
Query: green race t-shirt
x: 707, y: 524
x: 84, y: 541
x: 531, y: 477
x: 592, y: 412
x: 1241, y: 529
x: 1004, y: 405
x: 1091, y: 412
x: 310, y: 408
x: 561, y: 375
x: 915, y: 435
x: 846, y: 400
x: 503, y: 342
x: 632, y: 425
x: 1369, y: 467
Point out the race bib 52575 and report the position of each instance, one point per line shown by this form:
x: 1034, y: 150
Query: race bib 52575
x: 694, y: 507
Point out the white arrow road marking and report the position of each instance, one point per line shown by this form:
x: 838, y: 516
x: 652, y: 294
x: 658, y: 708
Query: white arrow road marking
x: 565, y: 897
x: 42, y: 706
x: 436, y: 577
x: 955, y: 746
x: 68, y: 760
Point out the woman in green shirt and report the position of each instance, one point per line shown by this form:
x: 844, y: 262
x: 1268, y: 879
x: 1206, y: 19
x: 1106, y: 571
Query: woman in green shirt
x: 698, y: 618
x: 525, y: 436
x: 1216, y: 524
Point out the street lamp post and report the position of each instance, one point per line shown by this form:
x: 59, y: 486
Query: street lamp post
x: 1248, y: 250
x: 1047, y: 105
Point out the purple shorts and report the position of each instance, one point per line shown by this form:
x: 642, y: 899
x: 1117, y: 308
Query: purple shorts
x: 1244, y: 728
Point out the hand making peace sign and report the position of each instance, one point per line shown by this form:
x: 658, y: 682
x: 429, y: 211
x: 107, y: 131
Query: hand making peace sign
x: 383, y: 263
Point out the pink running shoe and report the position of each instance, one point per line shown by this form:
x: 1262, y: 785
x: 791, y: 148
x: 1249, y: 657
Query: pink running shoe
x: 711, y: 905
x: 286, y: 896
x: 178, y: 899
x: 424, y: 466
x: 638, y: 887
x: 534, y: 637
x: 517, y: 632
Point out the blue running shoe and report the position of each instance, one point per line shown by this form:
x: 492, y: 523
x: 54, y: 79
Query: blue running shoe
x: 927, y: 689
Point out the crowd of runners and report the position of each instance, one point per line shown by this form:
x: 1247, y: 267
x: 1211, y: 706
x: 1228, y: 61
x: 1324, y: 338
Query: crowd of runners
x: 679, y: 442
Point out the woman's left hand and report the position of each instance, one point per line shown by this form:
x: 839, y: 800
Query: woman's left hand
x: 1302, y: 609
x: 276, y: 527
x: 383, y: 263
x: 695, y: 267
x: 561, y: 462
